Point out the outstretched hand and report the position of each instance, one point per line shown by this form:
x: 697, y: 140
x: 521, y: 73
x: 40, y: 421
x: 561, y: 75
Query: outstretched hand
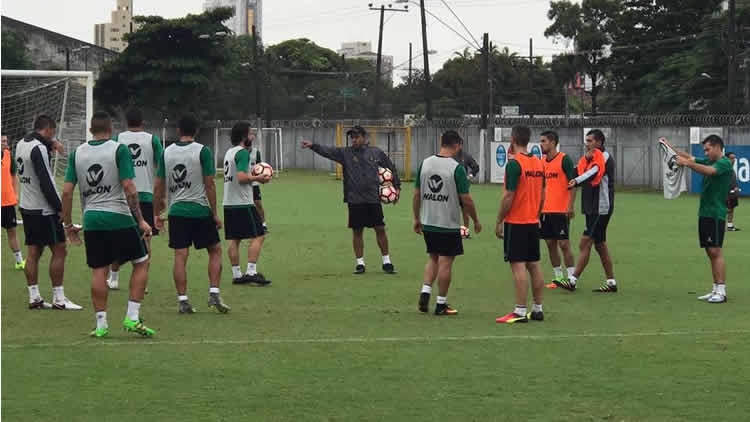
x: 306, y: 144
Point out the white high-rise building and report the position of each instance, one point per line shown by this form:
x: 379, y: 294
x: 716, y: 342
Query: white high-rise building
x: 246, y: 14
x: 110, y: 35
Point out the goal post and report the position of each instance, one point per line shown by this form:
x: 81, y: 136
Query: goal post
x: 67, y: 97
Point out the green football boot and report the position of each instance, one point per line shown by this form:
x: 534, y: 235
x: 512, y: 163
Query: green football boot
x: 137, y: 327
x: 100, y: 332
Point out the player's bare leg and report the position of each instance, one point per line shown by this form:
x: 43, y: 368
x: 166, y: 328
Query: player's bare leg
x: 253, y: 255
x: 138, y: 280
x: 382, y: 238
x: 214, y: 277
x: 445, y: 268
x: 430, y: 274
x: 719, y: 272
x: 583, y: 260
x: 358, y: 244
x: 567, y: 253
x: 13, y: 243
x: 233, y: 251
x: 610, y: 286
x: 57, y: 264
x: 179, y: 272
x: 537, y: 289
x: 520, y: 312
x: 33, y: 255
x: 99, y: 290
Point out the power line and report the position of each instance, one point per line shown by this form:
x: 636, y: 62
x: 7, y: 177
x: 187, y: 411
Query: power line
x: 461, y: 22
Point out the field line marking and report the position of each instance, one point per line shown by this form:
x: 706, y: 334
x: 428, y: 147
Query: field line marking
x: 354, y: 340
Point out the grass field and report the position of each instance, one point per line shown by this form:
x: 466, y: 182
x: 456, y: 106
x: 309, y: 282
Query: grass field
x: 321, y: 344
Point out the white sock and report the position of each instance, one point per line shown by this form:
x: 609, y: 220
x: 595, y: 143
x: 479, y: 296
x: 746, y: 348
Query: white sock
x: 101, y: 320
x: 573, y: 279
x: 34, y: 293
x: 19, y: 256
x: 571, y: 271
x: 520, y: 310
x: 252, y: 268
x: 611, y: 282
x: 721, y: 289
x: 213, y: 290
x: 713, y: 290
x: 133, y: 310
x: 58, y: 294
x: 386, y: 259
x: 236, y: 271
x: 114, y: 276
x: 360, y: 261
x: 264, y: 225
x: 558, y: 272
x: 426, y: 289
x: 182, y: 298
x: 730, y: 224
x: 536, y: 308
x: 441, y: 300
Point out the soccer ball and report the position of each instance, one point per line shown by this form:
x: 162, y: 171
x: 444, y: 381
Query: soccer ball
x: 264, y: 169
x: 385, y: 175
x: 464, y: 232
x: 388, y: 194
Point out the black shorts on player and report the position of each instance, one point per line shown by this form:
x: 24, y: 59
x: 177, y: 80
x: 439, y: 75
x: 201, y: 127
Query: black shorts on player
x: 242, y: 223
x: 596, y: 227
x: 256, y: 193
x: 443, y: 244
x: 200, y: 232
x: 555, y: 226
x: 147, y: 209
x: 711, y: 232
x: 733, y: 202
x: 103, y: 247
x: 8, y: 217
x: 521, y: 242
x: 365, y: 215
x: 42, y: 230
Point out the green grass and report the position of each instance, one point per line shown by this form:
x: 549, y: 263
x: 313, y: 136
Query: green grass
x: 323, y: 345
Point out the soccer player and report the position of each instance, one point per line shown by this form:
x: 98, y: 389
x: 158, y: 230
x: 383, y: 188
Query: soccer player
x: 441, y: 186
x: 472, y: 169
x: 145, y: 150
x: 113, y: 225
x: 717, y: 177
x: 9, y: 202
x: 596, y: 174
x: 362, y: 191
x: 257, y: 197
x: 241, y: 219
x: 518, y: 225
x: 733, y: 197
x: 40, y: 206
x: 185, y: 175
x: 559, y: 201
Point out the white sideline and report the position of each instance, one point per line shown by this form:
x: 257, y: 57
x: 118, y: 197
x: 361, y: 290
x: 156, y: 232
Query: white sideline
x: 354, y: 340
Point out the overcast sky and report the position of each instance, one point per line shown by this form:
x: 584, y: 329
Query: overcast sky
x: 328, y: 23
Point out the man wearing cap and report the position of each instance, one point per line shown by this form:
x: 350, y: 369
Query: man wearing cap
x: 360, y: 162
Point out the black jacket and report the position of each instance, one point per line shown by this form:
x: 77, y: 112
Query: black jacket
x: 361, y: 184
x: 47, y: 184
x: 469, y: 163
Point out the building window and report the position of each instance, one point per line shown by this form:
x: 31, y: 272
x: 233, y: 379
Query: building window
x: 115, y: 30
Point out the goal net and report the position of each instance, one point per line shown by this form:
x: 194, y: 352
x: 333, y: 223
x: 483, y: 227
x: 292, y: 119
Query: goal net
x: 268, y: 140
x: 67, y: 97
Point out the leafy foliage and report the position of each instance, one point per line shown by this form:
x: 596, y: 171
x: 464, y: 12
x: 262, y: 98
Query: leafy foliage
x: 14, y: 53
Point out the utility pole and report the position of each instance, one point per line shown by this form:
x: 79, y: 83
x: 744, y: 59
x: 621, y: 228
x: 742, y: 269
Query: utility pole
x: 379, y: 71
x: 67, y: 58
x: 427, y: 88
x: 732, y: 55
x: 531, y: 74
x: 410, y: 65
x: 484, y: 96
x: 256, y: 66
x: 491, y: 98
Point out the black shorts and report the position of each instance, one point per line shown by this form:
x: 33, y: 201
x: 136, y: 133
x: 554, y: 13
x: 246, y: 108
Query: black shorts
x: 242, y: 223
x: 711, y: 232
x: 42, y: 230
x: 200, y: 232
x: 443, y: 244
x: 147, y: 209
x: 256, y: 193
x: 596, y: 227
x: 104, y: 247
x: 555, y: 226
x: 733, y: 202
x: 521, y: 242
x: 365, y: 215
x: 8, y: 217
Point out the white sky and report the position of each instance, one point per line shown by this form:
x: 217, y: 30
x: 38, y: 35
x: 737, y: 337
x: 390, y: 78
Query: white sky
x: 509, y: 22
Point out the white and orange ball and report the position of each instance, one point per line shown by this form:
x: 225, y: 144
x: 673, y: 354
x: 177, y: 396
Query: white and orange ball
x: 262, y: 169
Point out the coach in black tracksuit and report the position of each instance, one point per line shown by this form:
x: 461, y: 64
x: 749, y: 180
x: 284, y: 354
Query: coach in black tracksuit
x: 362, y: 190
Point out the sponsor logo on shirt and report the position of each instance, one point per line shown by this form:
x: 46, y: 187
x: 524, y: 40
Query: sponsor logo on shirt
x: 135, y: 154
x: 94, y: 176
x: 19, y: 165
x: 435, y: 184
x: 227, y: 177
x: 179, y: 174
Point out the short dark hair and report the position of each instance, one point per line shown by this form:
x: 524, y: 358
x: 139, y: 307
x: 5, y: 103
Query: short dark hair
x: 356, y: 131
x: 44, y: 121
x: 522, y: 135
x: 450, y: 138
x: 188, y: 125
x: 101, y: 122
x: 134, y: 116
x: 598, y: 135
x: 731, y: 153
x: 240, y: 131
x: 552, y: 136
x: 714, y: 140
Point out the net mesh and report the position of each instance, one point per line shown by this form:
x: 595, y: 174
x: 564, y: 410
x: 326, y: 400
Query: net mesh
x: 61, y: 97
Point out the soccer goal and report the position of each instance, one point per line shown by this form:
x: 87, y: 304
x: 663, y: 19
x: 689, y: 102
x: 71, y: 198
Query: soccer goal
x: 268, y: 140
x: 67, y: 97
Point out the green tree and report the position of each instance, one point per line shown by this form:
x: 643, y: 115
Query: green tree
x: 14, y: 53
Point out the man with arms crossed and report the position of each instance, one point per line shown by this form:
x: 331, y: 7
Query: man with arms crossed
x: 518, y: 225
x: 104, y: 170
x: 441, y: 187
x: 186, y: 175
x: 40, y: 205
x: 717, y: 176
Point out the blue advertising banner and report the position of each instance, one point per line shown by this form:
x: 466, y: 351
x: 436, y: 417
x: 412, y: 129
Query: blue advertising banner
x: 741, y: 167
